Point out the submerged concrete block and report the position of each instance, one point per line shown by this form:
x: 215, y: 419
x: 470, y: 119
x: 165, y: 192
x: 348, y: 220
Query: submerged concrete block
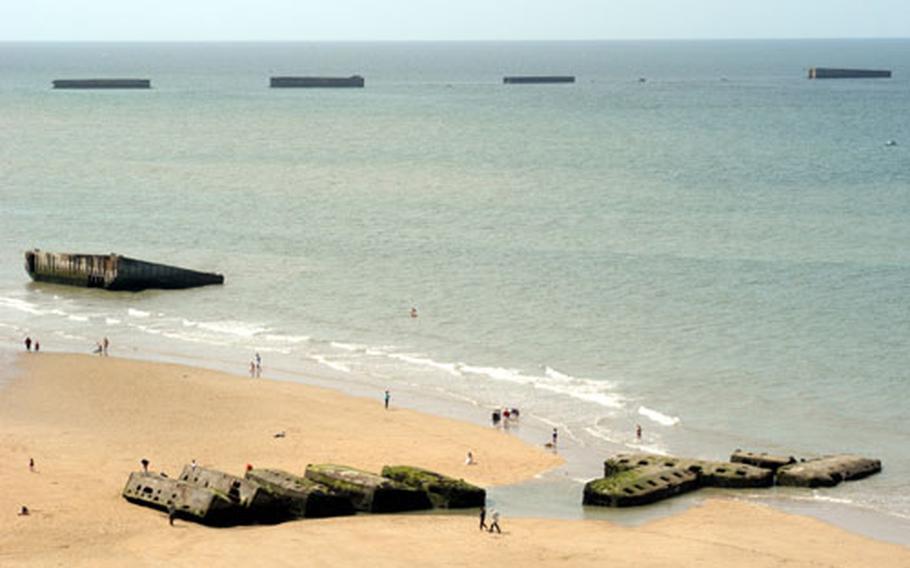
x: 192, y: 502
x: 368, y: 491
x: 444, y: 492
x: 767, y: 461
x: 827, y: 471
x: 300, y: 497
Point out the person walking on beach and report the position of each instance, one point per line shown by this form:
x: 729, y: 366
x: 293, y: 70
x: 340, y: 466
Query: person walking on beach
x: 483, y: 518
x: 252, y: 369
x: 495, y: 523
x: 387, y: 397
x: 37, y: 346
x: 104, y: 345
x: 171, y: 514
x: 145, y: 465
x: 31, y: 465
x: 28, y: 343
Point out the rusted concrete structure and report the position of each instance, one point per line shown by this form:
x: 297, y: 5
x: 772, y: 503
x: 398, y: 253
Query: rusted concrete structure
x: 367, y: 491
x: 112, y: 272
x: 827, y: 471
x: 191, y: 502
x: 830, y: 73
x: 300, y: 497
x: 537, y: 79
x: 354, y: 81
x: 764, y: 460
x: 102, y: 84
x: 444, y: 492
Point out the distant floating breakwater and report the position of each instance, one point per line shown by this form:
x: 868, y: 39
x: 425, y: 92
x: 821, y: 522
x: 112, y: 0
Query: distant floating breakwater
x: 358, y: 81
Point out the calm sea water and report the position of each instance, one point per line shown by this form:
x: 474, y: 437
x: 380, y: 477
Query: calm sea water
x: 718, y: 253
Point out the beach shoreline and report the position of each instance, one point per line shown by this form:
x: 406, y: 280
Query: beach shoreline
x: 88, y: 420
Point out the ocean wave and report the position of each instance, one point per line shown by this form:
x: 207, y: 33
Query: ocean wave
x: 348, y: 346
x: 134, y: 313
x: 21, y: 306
x: 233, y: 327
x: 73, y: 317
x: 413, y: 359
x: 589, y: 390
x: 331, y: 364
x: 111, y: 321
x: 658, y: 417
x: 279, y: 338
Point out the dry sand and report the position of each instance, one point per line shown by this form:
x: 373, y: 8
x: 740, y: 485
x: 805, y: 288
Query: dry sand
x: 87, y: 421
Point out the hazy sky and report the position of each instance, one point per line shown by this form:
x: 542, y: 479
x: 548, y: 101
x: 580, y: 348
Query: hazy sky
x: 200, y: 20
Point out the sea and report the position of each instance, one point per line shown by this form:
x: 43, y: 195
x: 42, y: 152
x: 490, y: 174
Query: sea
x: 693, y: 237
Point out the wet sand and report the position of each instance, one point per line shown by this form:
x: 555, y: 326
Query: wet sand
x: 87, y: 421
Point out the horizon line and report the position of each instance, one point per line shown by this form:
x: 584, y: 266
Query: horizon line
x: 513, y: 40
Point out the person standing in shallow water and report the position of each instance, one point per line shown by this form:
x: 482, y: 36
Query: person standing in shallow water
x: 387, y: 397
x: 28, y: 343
x: 638, y: 432
x: 104, y: 346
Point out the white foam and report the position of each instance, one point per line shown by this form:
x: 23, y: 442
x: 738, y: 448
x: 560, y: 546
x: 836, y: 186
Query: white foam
x: 589, y: 390
x: 134, y: 313
x: 348, y: 346
x: 21, y: 306
x: 111, y: 321
x: 658, y: 417
x: 413, y: 359
x: 233, y: 327
x: 331, y: 364
x: 73, y: 317
x: 278, y: 338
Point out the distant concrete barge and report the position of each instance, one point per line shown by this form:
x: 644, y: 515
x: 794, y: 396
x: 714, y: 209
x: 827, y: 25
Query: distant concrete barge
x: 829, y: 73
x: 112, y: 272
x: 102, y: 84
x: 354, y: 81
x: 537, y: 79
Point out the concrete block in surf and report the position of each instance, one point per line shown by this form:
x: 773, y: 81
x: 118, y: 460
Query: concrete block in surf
x: 190, y: 501
x: 112, y: 272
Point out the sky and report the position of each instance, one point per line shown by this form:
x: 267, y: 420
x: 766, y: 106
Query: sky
x: 310, y: 20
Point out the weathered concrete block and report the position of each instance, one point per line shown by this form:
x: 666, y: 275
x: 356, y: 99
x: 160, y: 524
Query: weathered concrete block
x: 300, y: 497
x: 368, y: 491
x: 259, y: 504
x: 444, y: 492
x: 767, y: 461
x: 827, y: 471
x: 640, y: 485
x: 192, y: 502
x: 709, y: 473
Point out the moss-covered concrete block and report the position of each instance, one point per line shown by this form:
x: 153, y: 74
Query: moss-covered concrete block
x: 827, y: 471
x: 299, y: 497
x: 640, y: 485
x: 761, y: 459
x: 444, y: 492
x: 710, y: 473
x: 367, y: 491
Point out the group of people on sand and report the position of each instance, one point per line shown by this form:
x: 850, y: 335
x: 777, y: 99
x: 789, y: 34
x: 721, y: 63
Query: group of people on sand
x: 505, y: 416
x: 494, y: 520
x: 29, y: 343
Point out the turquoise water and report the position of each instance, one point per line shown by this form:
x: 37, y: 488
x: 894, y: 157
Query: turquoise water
x: 718, y: 253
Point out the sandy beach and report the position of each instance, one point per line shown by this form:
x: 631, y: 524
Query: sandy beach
x: 87, y: 421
